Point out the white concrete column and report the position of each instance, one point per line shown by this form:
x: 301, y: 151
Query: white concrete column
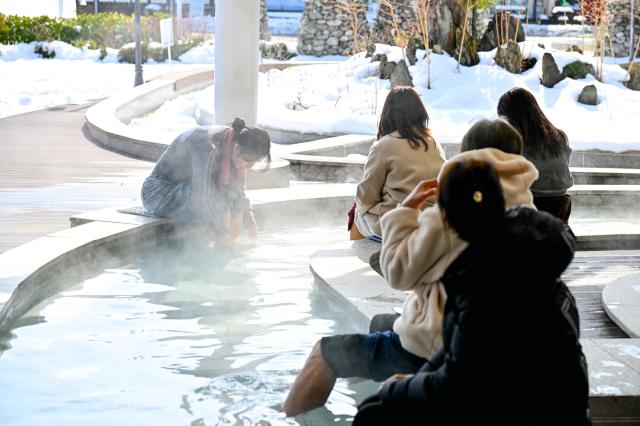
x: 236, y: 70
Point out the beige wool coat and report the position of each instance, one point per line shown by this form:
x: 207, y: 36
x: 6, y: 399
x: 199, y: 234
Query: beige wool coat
x: 393, y: 168
x: 417, y: 247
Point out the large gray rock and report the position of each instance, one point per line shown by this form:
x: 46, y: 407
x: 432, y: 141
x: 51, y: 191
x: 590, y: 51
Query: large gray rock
x: 400, y: 75
x: 550, y: 72
x: 589, y: 95
x: 489, y: 40
x: 510, y: 57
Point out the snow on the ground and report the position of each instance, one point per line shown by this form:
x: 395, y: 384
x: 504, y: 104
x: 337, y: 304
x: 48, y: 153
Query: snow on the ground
x: 347, y: 97
x: 75, y: 76
x: 343, y: 97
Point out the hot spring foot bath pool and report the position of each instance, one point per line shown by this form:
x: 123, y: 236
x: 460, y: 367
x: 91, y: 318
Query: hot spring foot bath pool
x: 178, y: 334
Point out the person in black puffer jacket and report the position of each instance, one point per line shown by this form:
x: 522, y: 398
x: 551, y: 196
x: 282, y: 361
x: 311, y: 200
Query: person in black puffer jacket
x: 511, y: 350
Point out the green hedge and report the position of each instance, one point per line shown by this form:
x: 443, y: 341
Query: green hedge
x: 25, y: 29
x: 101, y: 30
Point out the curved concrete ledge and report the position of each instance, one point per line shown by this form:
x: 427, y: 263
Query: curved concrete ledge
x: 107, y: 120
x: 28, y: 271
x: 342, y: 271
x: 621, y: 301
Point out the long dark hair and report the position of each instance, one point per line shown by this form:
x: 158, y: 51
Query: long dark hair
x: 404, y: 112
x: 541, y: 138
x: 253, y: 142
x: 470, y: 196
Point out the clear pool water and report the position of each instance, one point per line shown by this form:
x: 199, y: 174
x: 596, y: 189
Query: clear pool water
x: 186, y: 335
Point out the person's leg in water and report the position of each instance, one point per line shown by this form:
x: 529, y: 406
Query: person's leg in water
x: 374, y: 356
x: 312, y: 387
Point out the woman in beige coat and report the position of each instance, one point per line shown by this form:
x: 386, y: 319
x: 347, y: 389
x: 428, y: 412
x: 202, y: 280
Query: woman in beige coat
x: 404, y: 154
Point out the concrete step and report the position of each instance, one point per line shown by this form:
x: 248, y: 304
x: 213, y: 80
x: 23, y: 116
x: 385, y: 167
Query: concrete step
x: 605, y: 176
x: 335, y: 168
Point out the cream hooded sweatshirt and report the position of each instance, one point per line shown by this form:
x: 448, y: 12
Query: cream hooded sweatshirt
x: 417, y: 248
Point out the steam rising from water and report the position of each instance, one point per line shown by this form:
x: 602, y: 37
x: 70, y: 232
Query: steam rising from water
x: 190, y: 335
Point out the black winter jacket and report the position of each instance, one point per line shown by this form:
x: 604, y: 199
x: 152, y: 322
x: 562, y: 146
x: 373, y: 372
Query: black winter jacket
x: 511, y: 353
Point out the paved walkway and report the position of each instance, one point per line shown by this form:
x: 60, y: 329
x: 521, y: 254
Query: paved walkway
x: 50, y: 171
x: 587, y: 275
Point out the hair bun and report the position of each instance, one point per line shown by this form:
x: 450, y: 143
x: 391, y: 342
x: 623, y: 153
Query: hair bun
x: 238, y: 124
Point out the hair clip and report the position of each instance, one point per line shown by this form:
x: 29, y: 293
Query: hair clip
x: 477, y: 197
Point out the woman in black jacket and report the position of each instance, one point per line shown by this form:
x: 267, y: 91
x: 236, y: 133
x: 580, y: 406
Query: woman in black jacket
x: 511, y: 350
x: 546, y: 146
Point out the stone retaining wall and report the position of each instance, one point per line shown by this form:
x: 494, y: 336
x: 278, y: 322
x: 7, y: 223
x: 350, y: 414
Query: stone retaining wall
x: 402, y: 18
x: 265, y: 34
x: 619, y: 15
x: 325, y: 28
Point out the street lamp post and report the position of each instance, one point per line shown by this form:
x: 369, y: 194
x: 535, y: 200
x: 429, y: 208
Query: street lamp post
x: 138, y: 79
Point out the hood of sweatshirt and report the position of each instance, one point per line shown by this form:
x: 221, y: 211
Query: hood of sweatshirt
x: 516, y: 173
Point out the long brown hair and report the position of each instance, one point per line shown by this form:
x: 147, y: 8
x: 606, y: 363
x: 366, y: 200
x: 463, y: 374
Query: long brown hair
x: 404, y: 112
x: 541, y: 138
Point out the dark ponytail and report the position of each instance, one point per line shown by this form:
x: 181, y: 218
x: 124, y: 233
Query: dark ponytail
x: 254, y: 143
x: 470, y: 196
x: 238, y: 124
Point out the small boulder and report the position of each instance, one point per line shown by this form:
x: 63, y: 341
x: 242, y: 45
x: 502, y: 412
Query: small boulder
x: 634, y: 76
x: 528, y: 63
x: 510, y: 57
x: 469, y: 55
x: 415, y: 43
x: 574, y: 48
x: 386, y: 67
x: 371, y: 48
x: 400, y: 75
x: 437, y: 49
x: 550, y: 72
x: 589, y: 95
x: 577, y: 70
